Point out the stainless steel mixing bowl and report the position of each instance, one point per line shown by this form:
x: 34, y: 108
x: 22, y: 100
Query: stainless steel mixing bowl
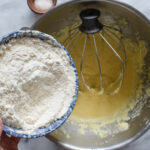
x: 138, y: 26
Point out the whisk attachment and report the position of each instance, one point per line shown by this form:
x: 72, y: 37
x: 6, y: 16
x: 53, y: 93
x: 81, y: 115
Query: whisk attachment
x: 90, y: 23
x: 90, y: 26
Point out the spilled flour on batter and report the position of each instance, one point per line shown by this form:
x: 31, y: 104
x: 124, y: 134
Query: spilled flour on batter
x: 37, y: 83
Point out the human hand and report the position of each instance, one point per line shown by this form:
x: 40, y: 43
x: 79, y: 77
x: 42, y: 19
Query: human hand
x: 7, y: 143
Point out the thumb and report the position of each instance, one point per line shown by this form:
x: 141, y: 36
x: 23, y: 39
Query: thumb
x: 1, y: 127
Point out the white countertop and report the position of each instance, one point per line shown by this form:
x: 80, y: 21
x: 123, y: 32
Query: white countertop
x: 16, y: 14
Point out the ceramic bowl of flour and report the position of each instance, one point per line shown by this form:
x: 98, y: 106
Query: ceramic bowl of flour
x: 35, y: 84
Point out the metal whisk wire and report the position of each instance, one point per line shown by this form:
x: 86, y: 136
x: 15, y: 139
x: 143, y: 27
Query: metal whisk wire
x: 99, y: 66
x: 81, y: 63
x: 119, y: 57
x: 123, y: 60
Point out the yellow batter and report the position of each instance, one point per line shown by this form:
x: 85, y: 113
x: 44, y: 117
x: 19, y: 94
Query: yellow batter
x: 91, y: 104
x: 103, y: 108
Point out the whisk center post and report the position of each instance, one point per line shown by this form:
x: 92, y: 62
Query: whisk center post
x: 90, y: 23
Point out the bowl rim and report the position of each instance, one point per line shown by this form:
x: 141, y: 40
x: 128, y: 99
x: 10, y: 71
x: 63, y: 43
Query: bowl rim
x: 57, y: 123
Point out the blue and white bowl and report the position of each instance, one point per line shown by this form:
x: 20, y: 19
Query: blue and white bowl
x: 53, y: 126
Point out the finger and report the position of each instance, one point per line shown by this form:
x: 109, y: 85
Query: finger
x: 10, y: 138
x: 1, y: 127
x: 9, y: 143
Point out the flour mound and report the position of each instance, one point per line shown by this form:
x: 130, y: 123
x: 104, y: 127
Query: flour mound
x: 37, y: 83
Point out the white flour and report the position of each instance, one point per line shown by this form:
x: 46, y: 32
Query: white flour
x: 37, y: 83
